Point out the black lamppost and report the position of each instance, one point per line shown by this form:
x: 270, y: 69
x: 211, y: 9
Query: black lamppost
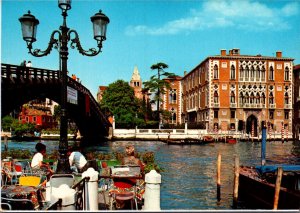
x: 29, y: 28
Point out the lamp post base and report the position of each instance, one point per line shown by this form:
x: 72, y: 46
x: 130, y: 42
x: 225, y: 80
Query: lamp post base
x: 63, y: 166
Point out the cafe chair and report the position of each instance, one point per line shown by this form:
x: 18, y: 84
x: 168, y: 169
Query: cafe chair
x: 122, y: 194
x: 11, y: 172
x: 58, y: 179
x: 18, y: 204
x: 5, y: 206
x: 30, y: 181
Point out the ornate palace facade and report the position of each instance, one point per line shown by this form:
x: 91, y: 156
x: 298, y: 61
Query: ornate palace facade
x: 233, y: 91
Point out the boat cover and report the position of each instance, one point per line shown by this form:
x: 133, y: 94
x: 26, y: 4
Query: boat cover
x: 273, y: 168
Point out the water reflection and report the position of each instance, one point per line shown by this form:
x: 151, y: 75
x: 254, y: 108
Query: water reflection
x: 189, y: 180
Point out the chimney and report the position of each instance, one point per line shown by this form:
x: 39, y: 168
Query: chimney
x: 223, y: 52
x: 278, y: 54
x: 230, y: 52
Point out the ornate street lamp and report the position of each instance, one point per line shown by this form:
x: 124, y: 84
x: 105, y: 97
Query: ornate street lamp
x: 29, y: 28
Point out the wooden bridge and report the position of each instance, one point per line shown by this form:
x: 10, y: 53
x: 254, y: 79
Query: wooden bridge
x: 20, y: 85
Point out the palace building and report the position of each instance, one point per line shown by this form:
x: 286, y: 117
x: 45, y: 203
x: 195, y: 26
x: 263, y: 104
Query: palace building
x: 231, y: 91
x: 172, y: 99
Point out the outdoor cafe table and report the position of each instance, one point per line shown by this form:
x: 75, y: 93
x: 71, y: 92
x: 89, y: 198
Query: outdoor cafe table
x: 22, y: 192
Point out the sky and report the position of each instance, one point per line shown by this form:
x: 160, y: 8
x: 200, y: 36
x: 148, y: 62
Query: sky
x: 179, y: 33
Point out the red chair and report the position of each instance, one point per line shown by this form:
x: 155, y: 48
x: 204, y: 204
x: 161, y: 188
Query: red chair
x: 124, y: 190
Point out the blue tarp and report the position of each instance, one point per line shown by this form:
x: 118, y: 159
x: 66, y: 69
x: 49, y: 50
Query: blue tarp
x: 273, y: 168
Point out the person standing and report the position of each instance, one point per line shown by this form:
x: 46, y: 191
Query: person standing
x: 29, y: 64
x: 78, y: 162
x: 23, y: 63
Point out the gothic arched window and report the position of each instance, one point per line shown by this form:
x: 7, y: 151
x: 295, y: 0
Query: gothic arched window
x: 286, y: 74
x: 216, y: 72
x: 232, y: 72
x: 271, y: 77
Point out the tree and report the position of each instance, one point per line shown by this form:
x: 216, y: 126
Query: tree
x: 157, y: 85
x: 21, y: 128
x: 7, y: 122
x: 119, y: 99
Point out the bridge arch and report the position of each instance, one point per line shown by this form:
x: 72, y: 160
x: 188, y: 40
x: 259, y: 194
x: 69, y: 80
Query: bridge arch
x: 19, y: 85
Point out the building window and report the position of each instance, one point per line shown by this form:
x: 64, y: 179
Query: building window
x: 27, y: 119
x: 286, y: 114
x: 271, y: 77
x: 263, y: 98
x: 216, y: 97
x: 263, y: 74
x: 232, y: 97
x: 271, y: 114
x: 286, y: 74
x: 252, y: 98
x: 216, y: 114
x: 232, y: 72
x: 232, y: 126
x: 252, y: 73
x: 20, y: 118
x: 34, y: 119
x: 216, y: 72
x: 241, y: 73
x: 232, y: 114
x: 271, y: 98
x: 286, y: 98
x: 247, y: 73
x: 257, y: 73
x: 172, y: 96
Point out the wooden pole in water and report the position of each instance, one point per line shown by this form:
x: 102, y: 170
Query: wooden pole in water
x: 277, y: 188
x: 219, y: 177
x: 236, y: 181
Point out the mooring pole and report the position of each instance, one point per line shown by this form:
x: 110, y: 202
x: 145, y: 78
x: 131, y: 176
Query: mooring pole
x: 277, y: 188
x: 236, y: 181
x: 219, y: 177
x: 263, y: 142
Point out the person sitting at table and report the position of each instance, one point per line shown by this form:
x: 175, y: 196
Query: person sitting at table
x: 130, y: 158
x: 37, y: 164
x: 125, y: 185
x: 78, y: 162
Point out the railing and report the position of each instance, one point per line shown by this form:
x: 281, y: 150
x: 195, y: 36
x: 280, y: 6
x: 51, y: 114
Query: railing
x: 272, y: 106
x: 252, y: 105
x: 12, y: 71
x: 233, y: 105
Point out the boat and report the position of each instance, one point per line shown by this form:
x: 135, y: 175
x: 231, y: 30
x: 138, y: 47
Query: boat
x: 231, y: 140
x: 208, y: 138
x: 185, y: 141
x: 256, y: 188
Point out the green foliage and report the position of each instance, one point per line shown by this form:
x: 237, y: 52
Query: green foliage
x: 119, y: 99
x: 147, y: 157
x: 158, y: 85
x: 21, y: 128
x: 57, y: 112
x: 16, y: 154
x: 6, y: 122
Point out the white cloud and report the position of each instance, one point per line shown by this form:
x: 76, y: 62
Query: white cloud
x: 243, y: 14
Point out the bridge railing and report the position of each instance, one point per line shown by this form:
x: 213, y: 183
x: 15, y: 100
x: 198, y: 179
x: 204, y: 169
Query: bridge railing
x: 20, y: 72
x: 78, y: 86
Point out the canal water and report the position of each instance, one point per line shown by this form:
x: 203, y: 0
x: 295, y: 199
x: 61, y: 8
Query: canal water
x: 189, y: 177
